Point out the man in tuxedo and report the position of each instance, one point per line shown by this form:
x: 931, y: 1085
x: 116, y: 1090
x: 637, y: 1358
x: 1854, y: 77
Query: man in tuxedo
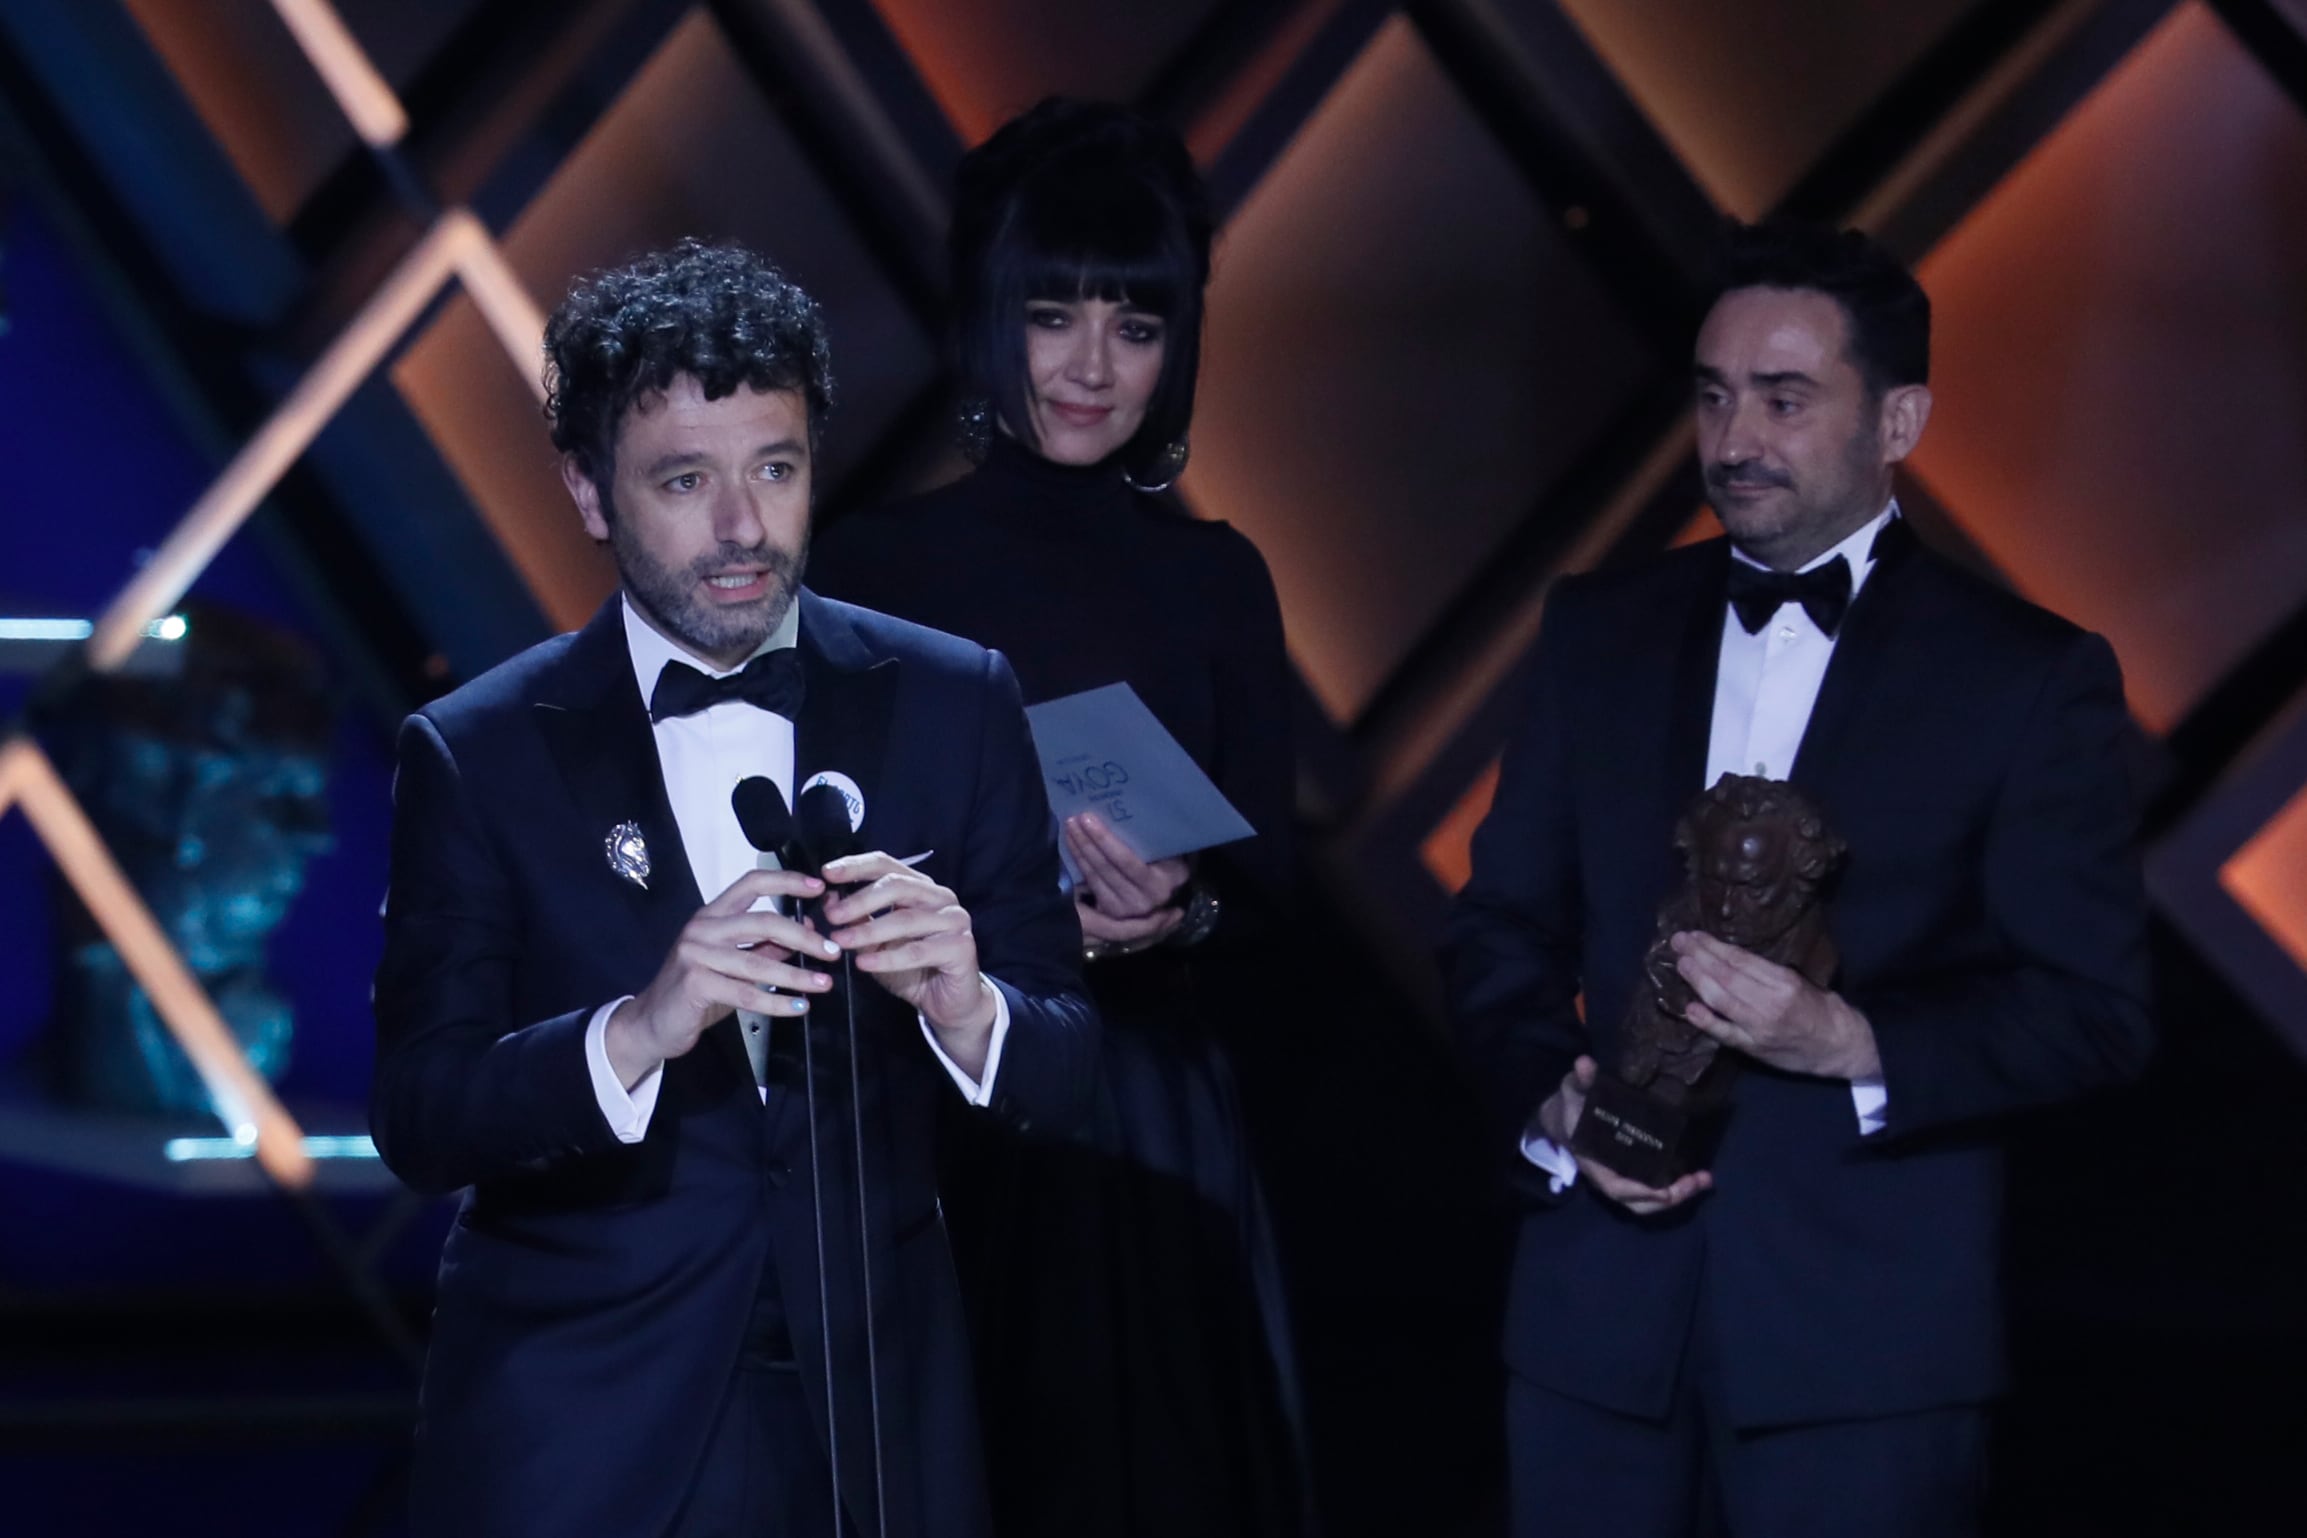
x: 1799, y: 1339
x: 652, y: 1313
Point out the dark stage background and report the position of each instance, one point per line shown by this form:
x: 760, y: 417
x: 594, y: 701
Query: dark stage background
x: 1445, y: 364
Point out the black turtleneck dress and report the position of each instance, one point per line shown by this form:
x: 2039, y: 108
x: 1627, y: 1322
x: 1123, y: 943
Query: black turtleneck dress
x: 1131, y: 1339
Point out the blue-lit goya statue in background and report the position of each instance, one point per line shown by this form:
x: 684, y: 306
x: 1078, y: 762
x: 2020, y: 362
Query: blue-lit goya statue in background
x: 210, y: 788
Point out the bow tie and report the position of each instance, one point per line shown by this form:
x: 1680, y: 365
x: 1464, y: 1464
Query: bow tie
x: 771, y: 682
x: 1756, y: 592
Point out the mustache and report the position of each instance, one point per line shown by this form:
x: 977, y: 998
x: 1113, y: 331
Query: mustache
x: 781, y: 563
x: 1742, y: 477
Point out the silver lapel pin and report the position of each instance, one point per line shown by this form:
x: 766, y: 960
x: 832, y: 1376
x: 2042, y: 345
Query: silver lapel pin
x: 629, y: 853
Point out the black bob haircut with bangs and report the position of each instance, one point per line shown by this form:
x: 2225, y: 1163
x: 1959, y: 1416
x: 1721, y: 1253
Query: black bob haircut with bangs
x: 1079, y: 200
x: 719, y: 313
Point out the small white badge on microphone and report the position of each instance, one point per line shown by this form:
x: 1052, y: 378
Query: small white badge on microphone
x: 851, y: 796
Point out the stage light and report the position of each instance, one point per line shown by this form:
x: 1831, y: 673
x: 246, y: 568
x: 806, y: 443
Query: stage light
x: 360, y: 91
x: 173, y: 628
x: 456, y: 243
x: 185, y: 1150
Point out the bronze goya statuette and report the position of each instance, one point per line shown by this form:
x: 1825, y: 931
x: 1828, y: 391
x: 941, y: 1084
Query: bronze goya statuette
x: 1757, y: 855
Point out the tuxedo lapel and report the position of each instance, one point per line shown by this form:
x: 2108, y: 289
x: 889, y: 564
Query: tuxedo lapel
x: 845, y: 711
x: 1698, y: 658
x: 597, y: 730
x: 1861, y: 652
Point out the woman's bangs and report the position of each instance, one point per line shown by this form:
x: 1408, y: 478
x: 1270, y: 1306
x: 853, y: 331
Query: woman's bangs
x: 1099, y: 240
x: 1142, y: 283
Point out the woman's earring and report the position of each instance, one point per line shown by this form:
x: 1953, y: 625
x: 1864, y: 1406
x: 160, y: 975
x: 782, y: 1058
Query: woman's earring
x: 1167, y: 466
x: 973, y: 428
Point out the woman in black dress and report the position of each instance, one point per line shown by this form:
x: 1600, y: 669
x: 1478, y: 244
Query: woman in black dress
x: 1131, y: 1335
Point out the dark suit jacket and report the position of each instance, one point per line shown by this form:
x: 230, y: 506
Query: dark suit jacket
x: 1991, y: 922
x: 593, y: 1294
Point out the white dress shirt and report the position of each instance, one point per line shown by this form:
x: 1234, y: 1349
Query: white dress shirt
x: 1765, y: 685
x: 702, y: 757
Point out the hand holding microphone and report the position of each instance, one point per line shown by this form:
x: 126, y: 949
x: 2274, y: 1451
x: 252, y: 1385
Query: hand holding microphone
x: 903, y: 929
x: 724, y: 960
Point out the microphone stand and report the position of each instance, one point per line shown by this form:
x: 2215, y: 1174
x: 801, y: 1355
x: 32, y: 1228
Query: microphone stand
x: 779, y: 842
x: 813, y: 860
x: 824, y: 1290
x: 865, y: 1247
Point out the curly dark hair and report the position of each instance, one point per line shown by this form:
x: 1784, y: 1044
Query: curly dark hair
x: 1079, y: 200
x: 720, y: 313
x: 1886, y: 310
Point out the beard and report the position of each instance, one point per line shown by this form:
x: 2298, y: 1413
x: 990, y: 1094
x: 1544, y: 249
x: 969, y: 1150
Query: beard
x: 1807, y: 513
x: 668, y: 596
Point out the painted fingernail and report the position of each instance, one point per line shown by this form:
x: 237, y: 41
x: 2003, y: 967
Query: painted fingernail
x: 827, y: 947
x: 797, y: 1004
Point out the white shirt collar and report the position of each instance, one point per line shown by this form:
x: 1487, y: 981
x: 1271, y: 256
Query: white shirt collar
x: 651, y: 650
x: 1857, y: 548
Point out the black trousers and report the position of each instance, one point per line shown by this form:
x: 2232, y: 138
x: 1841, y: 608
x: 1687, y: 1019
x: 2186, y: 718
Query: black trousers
x: 764, y: 1473
x: 1580, y: 1471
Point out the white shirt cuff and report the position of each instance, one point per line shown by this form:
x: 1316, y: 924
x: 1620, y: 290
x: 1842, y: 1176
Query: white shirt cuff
x: 1868, y: 1098
x: 1872, y: 1102
x: 1560, y: 1165
x: 976, y: 1092
x: 626, y: 1111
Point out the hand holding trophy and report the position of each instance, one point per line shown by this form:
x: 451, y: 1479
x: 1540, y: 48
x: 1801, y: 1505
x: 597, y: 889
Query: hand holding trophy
x: 1757, y: 855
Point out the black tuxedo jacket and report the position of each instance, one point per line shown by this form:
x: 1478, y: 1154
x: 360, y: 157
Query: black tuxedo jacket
x: 593, y: 1293
x: 1991, y: 922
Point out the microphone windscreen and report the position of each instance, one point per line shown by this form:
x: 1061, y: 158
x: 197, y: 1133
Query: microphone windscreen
x: 762, y: 814
x: 822, y: 822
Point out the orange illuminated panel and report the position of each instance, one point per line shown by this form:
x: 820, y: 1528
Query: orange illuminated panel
x: 1750, y: 95
x: 987, y: 60
x: 2121, y: 364
x: 654, y: 168
x: 1217, y: 123
x: 1403, y: 353
x: 1448, y: 851
x: 2268, y: 877
x: 243, y: 72
x: 1703, y: 527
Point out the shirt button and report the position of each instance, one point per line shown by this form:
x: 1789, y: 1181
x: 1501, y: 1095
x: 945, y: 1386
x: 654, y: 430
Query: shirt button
x: 1786, y: 632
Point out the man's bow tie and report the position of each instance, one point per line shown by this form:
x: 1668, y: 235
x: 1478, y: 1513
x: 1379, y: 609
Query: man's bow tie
x: 1756, y: 592
x: 771, y: 681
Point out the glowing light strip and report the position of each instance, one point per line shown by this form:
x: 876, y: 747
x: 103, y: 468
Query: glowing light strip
x: 184, y: 1150
x: 457, y: 245
x: 496, y: 291
x: 1965, y: 118
x: 242, y: 1097
x: 173, y: 628
x: 46, y: 629
x: 375, y: 112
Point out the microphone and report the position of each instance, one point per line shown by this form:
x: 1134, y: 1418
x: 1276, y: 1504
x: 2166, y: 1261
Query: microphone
x: 763, y: 817
x: 767, y: 824
x: 821, y: 828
